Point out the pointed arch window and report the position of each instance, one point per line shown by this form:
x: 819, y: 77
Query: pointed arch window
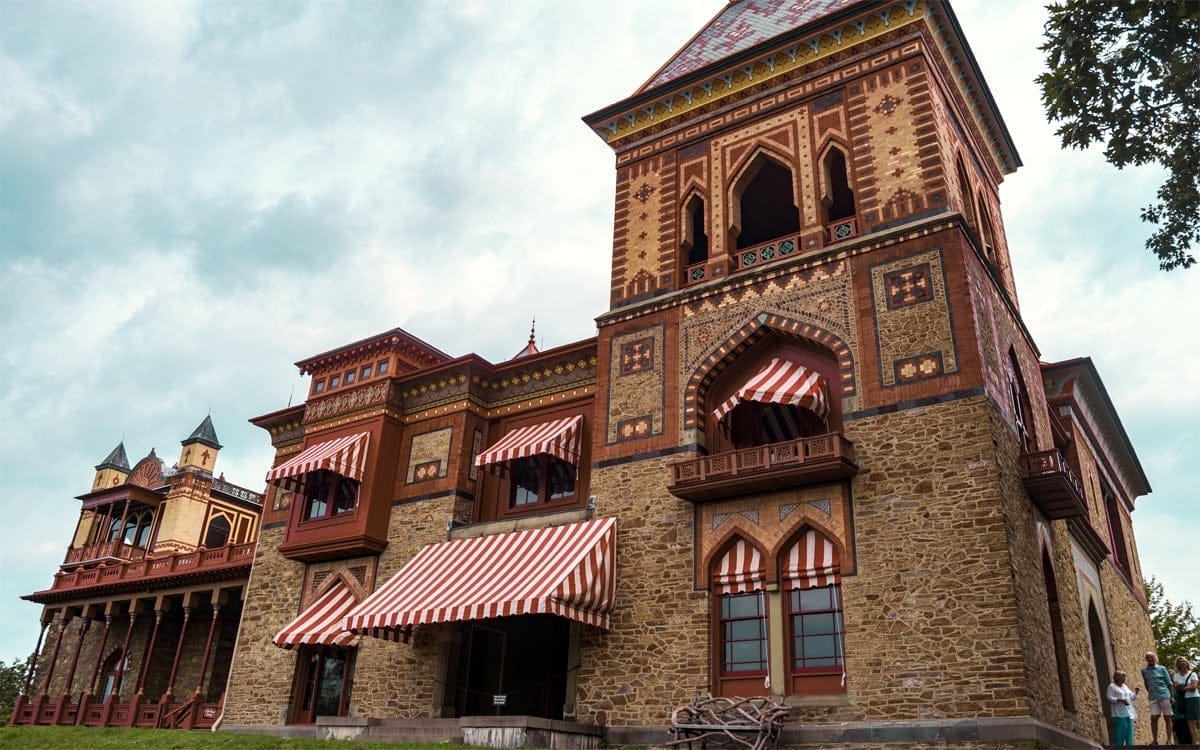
x: 811, y: 577
x: 838, y: 200
x: 986, y: 236
x: 1057, y: 633
x: 695, y: 234
x: 765, y: 201
x: 964, y: 191
x: 740, y: 617
x: 218, y: 532
x: 1022, y: 411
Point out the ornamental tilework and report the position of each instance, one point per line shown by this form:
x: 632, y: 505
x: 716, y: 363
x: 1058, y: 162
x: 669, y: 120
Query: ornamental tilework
x: 822, y: 296
x: 762, y: 520
x: 429, y: 448
x: 635, y: 398
x: 910, y: 335
x: 642, y: 244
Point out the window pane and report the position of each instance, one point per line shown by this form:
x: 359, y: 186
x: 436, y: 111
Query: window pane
x: 348, y: 378
x: 382, y: 367
x: 562, y: 479
x: 524, y: 481
x: 366, y: 372
x: 742, y: 605
x: 816, y: 646
x: 319, y: 386
x: 815, y: 599
x: 745, y: 630
x: 347, y: 493
x: 822, y: 624
x: 335, y: 381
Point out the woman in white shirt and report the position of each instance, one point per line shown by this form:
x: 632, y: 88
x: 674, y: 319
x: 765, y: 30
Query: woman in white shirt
x: 1187, y: 687
x: 1121, y: 698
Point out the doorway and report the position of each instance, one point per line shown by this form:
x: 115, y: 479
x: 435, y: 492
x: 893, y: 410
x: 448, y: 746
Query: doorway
x: 512, y: 666
x: 323, y: 676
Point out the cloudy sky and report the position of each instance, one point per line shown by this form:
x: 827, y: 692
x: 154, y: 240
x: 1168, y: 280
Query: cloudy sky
x: 194, y: 195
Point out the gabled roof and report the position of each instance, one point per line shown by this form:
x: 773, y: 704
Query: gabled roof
x: 739, y: 26
x: 116, y: 459
x: 204, y: 434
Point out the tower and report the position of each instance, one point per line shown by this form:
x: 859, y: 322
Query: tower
x: 818, y: 398
x: 200, y: 449
x: 113, y: 469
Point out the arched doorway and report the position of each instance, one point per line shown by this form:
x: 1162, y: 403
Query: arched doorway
x: 1100, y: 658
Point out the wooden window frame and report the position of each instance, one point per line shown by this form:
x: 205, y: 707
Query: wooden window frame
x: 540, y: 466
x: 741, y: 682
x: 297, y: 714
x: 328, y: 484
x: 819, y: 678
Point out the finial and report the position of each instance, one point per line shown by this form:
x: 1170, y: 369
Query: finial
x: 532, y: 326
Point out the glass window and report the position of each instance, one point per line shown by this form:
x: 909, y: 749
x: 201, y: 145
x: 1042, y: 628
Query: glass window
x: 218, y: 532
x: 540, y: 479
x: 816, y: 621
x: 381, y: 367
x: 348, y: 378
x: 525, y: 480
x: 329, y: 494
x: 366, y: 372
x: 743, y: 633
x: 319, y: 386
x: 334, y: 381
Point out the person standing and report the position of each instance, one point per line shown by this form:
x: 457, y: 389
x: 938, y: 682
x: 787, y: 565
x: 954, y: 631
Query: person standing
x: 1123, y: 712
x: 1187, y: 693
x: 1158, y: 690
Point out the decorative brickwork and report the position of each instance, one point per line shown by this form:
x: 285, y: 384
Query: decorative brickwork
x: 429, y: 455
x: 912, y: 318
x: 636, y: 397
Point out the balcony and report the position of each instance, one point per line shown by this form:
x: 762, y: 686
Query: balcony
x: 1052, y: 485
x: 759, y: 255
x: 842, y: 229
x: 764, y: 468
x: 103, y: 551
x: 199, y: 564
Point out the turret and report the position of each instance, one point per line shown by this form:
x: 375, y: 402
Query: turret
x: 200, y: 448
x: 113, y: 470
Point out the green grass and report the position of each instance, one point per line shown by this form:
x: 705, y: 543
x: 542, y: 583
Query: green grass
x: 88, y: 738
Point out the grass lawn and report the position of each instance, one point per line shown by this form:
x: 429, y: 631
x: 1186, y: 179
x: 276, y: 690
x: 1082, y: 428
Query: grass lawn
x: 88, y: 738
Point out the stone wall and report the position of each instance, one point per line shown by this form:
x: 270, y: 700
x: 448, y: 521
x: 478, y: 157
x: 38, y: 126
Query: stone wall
x: 260, y: 680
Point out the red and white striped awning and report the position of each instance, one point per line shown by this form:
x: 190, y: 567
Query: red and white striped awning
x: 782, y: 382
x: 560, y: 438
x: 811, y: 562
x: 346, y: 456
x: 321, y: 622
x: 562, y: 570
x: 740, y: 570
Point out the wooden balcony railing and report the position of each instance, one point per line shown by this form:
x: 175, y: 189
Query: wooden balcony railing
x: 766, y: 467
x: 1052, y: 485
x: 200, y: 560
x: 103, y: 551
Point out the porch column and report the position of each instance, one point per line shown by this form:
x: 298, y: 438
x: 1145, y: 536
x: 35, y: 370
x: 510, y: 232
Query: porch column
x: 91, y: 689
x: 124, y: 661
x: 212, y: 628
x: 124, y: 517
x: 143, y: 673
x: 84, y: 623
x: 62, y: 619
x: 33, y: 660
x: 187, y: 616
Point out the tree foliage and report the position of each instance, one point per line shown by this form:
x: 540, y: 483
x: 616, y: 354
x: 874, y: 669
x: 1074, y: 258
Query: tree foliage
x: 1127, y: 73
x: 12, y: 679
x: 1176, y: 626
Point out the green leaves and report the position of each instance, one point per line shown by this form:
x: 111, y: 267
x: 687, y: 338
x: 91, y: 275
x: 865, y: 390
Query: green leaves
x: 1127, y: 74
x: 1176, y: 627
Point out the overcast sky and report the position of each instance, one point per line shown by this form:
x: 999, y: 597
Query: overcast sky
x: 193, y: 196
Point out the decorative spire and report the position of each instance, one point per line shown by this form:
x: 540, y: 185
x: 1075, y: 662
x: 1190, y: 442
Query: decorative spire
x: 204, y: 434
x: 530, y: 347
x: 116, y: 459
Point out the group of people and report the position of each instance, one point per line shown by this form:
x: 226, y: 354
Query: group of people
x: 1174, y: 696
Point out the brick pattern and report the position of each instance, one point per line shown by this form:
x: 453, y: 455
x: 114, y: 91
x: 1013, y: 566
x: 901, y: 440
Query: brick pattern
x: 357, y: 574
x: 636, y: 396
x: 644, y: 237
x: 912, y: 319
x: 429, y: 455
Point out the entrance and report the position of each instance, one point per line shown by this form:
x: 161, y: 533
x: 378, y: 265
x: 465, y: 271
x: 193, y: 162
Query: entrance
x: 512, y: 666
x: 323, y: 675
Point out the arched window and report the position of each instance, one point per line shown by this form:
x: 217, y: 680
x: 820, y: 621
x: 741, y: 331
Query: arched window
x: 137, y: 528
x: 1057, y: 633
x: 773, y: 399
x: 218, y: 532
x: 740, y: 618
x: 986, y: 235
x: 964, y: 191
x: 695, y: 235
x: 809, y: 574
x: 1022, y: 411
x: 766, y: 203
x: 838, y: 200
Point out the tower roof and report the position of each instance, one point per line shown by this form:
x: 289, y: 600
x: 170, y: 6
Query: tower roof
x: 205, y: 434
x: 740, y: 25
x: 116, y: 459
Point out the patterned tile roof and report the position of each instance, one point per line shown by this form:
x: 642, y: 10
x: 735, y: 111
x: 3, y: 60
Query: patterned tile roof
x: 740, y: 26
x: 116, y: 459
x: 205, y: 434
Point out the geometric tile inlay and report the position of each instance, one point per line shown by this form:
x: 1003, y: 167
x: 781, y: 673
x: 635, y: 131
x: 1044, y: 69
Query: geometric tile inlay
x: 636, y: 428
x: 920, y: 367
x: 637, y: 356
x: 750, y: 515
x: 822, y: 505
x: 719, y: 519
x: 787, y: 510
x: 908, y: 286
